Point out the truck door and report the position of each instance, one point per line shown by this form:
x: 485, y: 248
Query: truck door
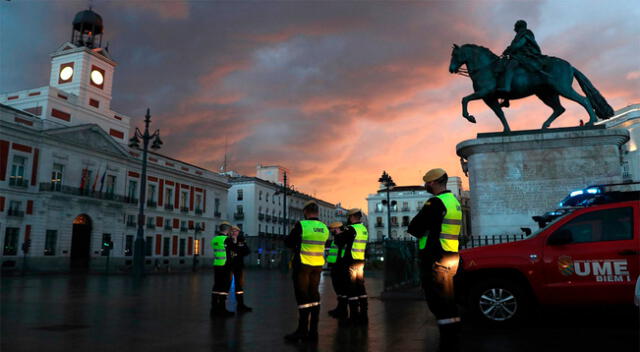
x: 594, y: 256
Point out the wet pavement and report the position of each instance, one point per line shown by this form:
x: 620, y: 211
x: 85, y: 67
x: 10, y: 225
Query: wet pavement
x: 171, y: 313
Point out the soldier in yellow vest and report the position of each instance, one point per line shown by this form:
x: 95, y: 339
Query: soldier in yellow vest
x: 307, y: 239
x: 437, y: 227
x: 355, y: 243
x: 338, y: 270
x: 220, y: 244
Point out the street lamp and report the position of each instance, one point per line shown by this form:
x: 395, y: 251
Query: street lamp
x: 196, y: 246
x: 387, y: 181
x: 134, y: 142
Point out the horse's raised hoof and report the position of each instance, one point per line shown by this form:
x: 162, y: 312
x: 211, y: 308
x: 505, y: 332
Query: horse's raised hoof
x: 545, y: 126
x: 470, y: 118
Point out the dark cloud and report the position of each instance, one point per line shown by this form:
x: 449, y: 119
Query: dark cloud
x: 335, y: 91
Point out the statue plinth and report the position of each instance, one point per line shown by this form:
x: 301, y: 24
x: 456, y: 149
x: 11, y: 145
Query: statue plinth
x: 515, y: 176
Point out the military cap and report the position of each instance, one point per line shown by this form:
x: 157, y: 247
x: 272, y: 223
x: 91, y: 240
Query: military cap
x: 308, y: 203
x: 335, y: 225
x: 433, y: 175
x: 354, y: 211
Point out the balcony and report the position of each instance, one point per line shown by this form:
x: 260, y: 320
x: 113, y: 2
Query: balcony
x: 151, y: 204
x: 184, y: 209
x: 151, y: 226
x: 168, y: 207
x: 238, y: 216
x: 406, y: 209
x: 18, y: 182
x: 198, y: 211
x: 217, y: 214
x: 167, y: 226
x: 131, y: 224
x: 83, y: 192
x: 268, y: 218
x: 379, y: 224
x: 260, y: 216
x: 15, y: 212
x: 184, y: 229
x: 394, y: 224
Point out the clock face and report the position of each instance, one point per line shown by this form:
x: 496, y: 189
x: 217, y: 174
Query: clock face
x: 97, y: 77
x: 66, y: 73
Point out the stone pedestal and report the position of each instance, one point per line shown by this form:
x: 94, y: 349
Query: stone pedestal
x: 515, y: 176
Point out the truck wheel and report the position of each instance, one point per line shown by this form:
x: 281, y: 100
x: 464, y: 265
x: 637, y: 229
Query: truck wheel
x: 499, y: 301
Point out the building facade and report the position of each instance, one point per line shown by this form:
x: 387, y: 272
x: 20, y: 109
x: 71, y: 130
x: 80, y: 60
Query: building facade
x: 628, y: 118
x: 257, y: 206
x: 405, y: 203
x: 69, y: 183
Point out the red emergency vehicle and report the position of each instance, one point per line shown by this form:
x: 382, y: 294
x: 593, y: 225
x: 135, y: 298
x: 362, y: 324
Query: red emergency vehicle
x: 586, y: 252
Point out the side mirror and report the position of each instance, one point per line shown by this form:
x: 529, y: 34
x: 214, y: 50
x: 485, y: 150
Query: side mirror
x: 560, y: 237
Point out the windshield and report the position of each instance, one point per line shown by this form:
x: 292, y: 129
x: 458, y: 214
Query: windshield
x: 550, y: 223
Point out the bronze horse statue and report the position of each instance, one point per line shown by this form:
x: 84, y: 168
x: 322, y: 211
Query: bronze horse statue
x: 556, y: 81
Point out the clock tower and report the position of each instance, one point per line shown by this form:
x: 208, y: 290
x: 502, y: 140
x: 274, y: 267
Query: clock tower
x: 82, y: 67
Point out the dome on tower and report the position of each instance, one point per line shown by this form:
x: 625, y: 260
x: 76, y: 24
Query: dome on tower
x: 88, y: 20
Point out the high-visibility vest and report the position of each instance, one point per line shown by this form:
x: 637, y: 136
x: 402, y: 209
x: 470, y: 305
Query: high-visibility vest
x: 219, y: 251
x: 332, y: 258
x: 314, y: 236
x: 451, y: 224
x: 360, y: 242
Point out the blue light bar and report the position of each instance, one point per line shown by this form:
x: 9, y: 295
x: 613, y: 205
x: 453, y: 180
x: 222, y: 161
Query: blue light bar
x: 576, y: 193
x: 593, y: 190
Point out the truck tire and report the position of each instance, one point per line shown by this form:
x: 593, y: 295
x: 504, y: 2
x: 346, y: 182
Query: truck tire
x: 498, y: 301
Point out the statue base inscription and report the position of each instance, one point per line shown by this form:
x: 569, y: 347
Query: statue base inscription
x: 515, y: 176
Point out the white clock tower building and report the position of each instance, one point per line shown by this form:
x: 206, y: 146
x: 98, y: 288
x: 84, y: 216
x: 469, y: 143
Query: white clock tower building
x: 80, y: 83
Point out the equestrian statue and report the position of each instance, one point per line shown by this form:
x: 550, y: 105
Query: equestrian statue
x: 522, y: 71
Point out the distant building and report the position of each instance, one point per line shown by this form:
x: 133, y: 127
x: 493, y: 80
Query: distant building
x: 69, y: 182
x: 256, y: 205
x: 628, y: 118
x: 406, y: 202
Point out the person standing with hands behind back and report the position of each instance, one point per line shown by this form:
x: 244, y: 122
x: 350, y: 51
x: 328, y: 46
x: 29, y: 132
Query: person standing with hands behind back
x: 239, y: 250
x: 437, y: 227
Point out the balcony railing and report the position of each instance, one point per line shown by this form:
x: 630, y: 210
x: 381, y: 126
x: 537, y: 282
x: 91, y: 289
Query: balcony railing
x: 151, y: 204
x: 217, y: 214
x: 406, y: 209
x: 183, y: 229
x: 168, y: 227
x: 394, y: 224
x: 18, y: 182
x: 168, y: 207
x: 184, y: 209
x: 15, y: 212
x: 131, y: 224
x: 151, y: 226
x: 238, y: 216
x: 198, y: 211
x: 268, y: 218
x: 83, y: 192
x: 260, y: 216
x: 379, y: 224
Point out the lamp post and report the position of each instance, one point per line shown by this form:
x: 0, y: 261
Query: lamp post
x: 134, y: 142
x: 196, y: 247
x: 388, y: 183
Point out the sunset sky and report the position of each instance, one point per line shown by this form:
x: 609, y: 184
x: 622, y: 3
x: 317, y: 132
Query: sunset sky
x: 334, y: 91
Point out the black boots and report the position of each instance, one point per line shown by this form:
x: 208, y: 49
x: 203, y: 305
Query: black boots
x: 218, y: 307
x: 449, y: 337
x: 312, y: 336
x: 340, y: 312
x: 354, y: 311
x: 303, y: 323
x: 241, y: 308
x: 363, y: 316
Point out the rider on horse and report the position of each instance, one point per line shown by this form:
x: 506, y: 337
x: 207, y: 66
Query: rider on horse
x: 524, y: 50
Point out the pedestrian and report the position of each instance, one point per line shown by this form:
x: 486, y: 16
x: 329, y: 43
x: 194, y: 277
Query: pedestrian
x: 221, y: 244
x: 239, y: 250
x: 307, y: 239
x: 338, y: 271
x: 354, y: 240
x: 437, y: 228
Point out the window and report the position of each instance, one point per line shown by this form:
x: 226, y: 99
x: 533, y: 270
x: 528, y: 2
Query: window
x: 14, y: 208
x: 128, y: 246
x: 50, y: 241
x: 379, y: 207
x: 151, y: 223
x: 602, y: 225
x: 405, y: 221
x: 56, y: 177
x: 17, y: 170
x: 216, y: 204
x: 168, y: 200
x: 151, y: 193
x: 259, y: 227
x: 379, y: 234
x: 167, y: 224
x: 419, y: 205
x: 240, y: 195
x: 405, y: 206
x: 378, y: 221
x: 148, y: 246
x: 88, y: 181
x: 266, y: 197
x: 260, y: 195
x: 111, y: 184
x: 165, y: 247
x: 239, y: 209
x: 11, y: 241
x: 394, y: 221
x: 184, y: 199
x: 183, y: 245
x: 133, y: 185
x: 198, y: 201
